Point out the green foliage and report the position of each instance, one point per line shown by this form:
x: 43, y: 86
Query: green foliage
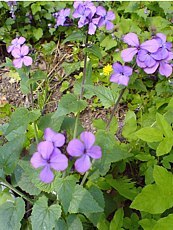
x: 156, y: 198
x: 69, y: 103
x: 44, y: 216
x: 11, y: 214
x: 117, y: 220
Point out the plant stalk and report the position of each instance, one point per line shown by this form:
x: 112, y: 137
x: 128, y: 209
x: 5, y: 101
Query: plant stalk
x: 114, y: 109
x: 6, y: 184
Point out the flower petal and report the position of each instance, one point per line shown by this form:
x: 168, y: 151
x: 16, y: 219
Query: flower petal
x: 109, y: 25
x: 118, y: 68
x: 161, y: 54
x: 83, y: 164
x: 24, y: 50
x: 46, y: 175
x: 128, y: 54
x: 127, y: 71
x: 27, y: 60
x: 123, y: 80
x: 151, y: 69
x: 92, y: 29
x: 21, y: 40
x: 75, y: 148
x: 101, y: 11
x: 16, y: 52
x: 58, y: 161
x: 95, y: 152
x: 150, y: 45
x: 37, y: 161
x: 110, y: 15
x: 18, y: 63
x: 131, y: 39
x: 45, y: 148
x: 88, y: 139
x: 115, y: 77
x: 162, y: 37
x: 165, y: 69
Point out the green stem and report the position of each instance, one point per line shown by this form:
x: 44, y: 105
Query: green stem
x: 82, y: 86
x: 114, y: 109
x: 6, y: 184
x: 35, y: 125
x: 86, y: 175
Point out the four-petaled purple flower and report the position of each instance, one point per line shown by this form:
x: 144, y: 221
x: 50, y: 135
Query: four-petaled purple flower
x: 20, y: 55
x: 62, y: 17
x: 57, y: 139
x: 48, y: 157
x: 84, y: 149
x: 105, y: 18
x: 121, y: 74
x: 151, y: 55
x: 17, y: 42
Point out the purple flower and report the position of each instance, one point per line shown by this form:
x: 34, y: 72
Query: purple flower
x: 58, y: 139
x: 84, y: 149
x: 17, y: 42
x: 48, y: 157
x: 131, y: 39
x: 121, y: 74
x: 62, y: 17
x: 20, y: 55
x: 105, y: 18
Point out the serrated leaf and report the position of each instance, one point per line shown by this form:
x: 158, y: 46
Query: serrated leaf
x: 108, y: 43
x: 44, y: 216
x: 149, y: 134
x: 69, y: 103
x: 37, y: 33
x: 74, y: 223
x: 95, y: 50
x: 26, y: 185
x: 10, y: 153
x: 117, y: 221
x: 75, y: 36
x: 106, y: 95
x: 11, y: 213
x: 124, y: 186
x: 70, y: 67
x: 158, y: 197
x: 82, y: 201
x: 22, y: 117
x: 65, y: 188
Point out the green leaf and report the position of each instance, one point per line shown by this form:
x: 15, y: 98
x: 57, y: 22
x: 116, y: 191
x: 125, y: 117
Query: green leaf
x: 82, y: 201
x: 44, y: 216
x: 22, y: 117
x: 35, y: 7
x: 61, y: 225
x: 149, y: 134
x: 69, y: 103
x: 38, y: 33
x: 26, y: 185
x: 108, y: 43
x: 95, y: 50
x: 65, y: 188
x: 106, y: 95
x: 5, y: 196
x: 158, y: 197
x: 166, y: 6
x: 164, y: 223
x: 164, y: 146
x: 11, y: 214
x: 37, y: 76
x: 10, y: 153
x: 147, y: 224
x: 70, y: 67
x: 124, y: 186
x: 75, y: 36
x: 117, y: 221
x: 74, y: 223
x: 130, y: 125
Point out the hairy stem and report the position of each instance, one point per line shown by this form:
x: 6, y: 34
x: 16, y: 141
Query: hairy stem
x: 114, y: 109
x: 6, y: 184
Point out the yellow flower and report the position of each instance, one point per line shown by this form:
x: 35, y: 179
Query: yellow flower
x: 107, y: 70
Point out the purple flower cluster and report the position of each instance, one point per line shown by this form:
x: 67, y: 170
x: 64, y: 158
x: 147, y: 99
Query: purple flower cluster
x: 50, y: 157
x: 121, y: 74
x: 19, y: 51
x: 151, y: 55
x: 88, y: 14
